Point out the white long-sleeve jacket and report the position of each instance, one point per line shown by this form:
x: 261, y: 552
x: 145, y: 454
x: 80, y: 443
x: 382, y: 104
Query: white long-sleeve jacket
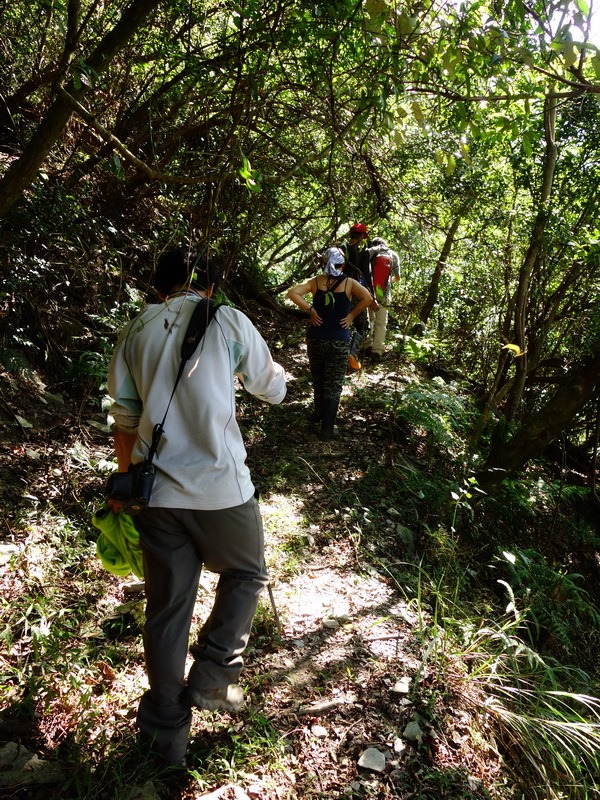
x: 201, y: 459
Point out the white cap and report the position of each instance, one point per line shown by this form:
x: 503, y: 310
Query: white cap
x: 335, y: 258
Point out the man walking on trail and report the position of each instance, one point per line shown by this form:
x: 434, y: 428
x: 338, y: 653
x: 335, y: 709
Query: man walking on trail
x: 357, y: 258
x: 357, y: 267
x: 384, y: 268
x: 202, y: 510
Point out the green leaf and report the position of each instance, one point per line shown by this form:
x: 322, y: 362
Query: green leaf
x: 375, y: 8
x: 449, y: 67
x: 405, y: 24
x: 251, y: 177
x: 115, y: 166
x: 418, y: 113
x: 570, y: 54
x: 524, y: 55
x: 451, y: 165
x: 246, y: 169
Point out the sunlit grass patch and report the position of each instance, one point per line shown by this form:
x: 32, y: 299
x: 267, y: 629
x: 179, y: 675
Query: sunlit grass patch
x: 70, y: 662
x: 287, y: 532
x: 243, y: 751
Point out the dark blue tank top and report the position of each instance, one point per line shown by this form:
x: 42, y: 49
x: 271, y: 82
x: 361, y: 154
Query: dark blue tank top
x: 331, y: 307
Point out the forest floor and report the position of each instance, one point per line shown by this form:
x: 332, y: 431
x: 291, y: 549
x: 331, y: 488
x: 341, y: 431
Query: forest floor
x: 336, y: 672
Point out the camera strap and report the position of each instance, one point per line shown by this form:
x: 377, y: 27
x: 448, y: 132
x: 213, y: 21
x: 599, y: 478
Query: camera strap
x: 199, y: 321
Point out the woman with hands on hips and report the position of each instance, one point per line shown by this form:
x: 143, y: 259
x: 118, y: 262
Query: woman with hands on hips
x: 328, y: 337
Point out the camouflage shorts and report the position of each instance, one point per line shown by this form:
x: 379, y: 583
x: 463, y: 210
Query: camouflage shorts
x: 328, y: 359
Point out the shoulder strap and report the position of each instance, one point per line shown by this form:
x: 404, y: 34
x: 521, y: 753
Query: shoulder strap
x: 337, y: 283
x: 199, y: 322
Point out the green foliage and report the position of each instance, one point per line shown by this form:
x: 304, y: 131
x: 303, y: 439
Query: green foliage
x: 91, y: 367
x: 554, y: 734
x: 251, y: 177
x: 265, y: 130
x: 560, y: 608
x: 13, y: 360
x: 41, y: 622
x: 439, y: 411
x: 420, y: 349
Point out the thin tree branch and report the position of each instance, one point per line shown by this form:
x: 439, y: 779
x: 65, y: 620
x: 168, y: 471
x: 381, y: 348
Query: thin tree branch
x: 109, y: 137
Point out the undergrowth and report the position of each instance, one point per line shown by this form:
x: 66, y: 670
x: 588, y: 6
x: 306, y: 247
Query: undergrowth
x: 500, y: 620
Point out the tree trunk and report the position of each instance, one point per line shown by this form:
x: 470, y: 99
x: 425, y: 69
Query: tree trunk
x: 531, y: 258
x: 544, y: 427
x: 22, y: 172
x: 434, y: 284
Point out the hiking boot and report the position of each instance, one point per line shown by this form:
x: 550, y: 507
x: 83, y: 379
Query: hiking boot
x: 328, y: 431
x: 181, y: 763
x: 317, y: 412
x: 376, y: 358
x: 327, y: 434
x: 225, y: 698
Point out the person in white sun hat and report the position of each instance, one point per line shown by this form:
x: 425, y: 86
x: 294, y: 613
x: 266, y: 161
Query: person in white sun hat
x: 331, y: 315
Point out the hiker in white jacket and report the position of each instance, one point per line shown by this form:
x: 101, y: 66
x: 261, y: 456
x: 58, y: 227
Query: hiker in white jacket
x: 202, y: 509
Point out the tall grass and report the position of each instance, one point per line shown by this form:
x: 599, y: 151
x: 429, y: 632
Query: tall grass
x: 545, y: 722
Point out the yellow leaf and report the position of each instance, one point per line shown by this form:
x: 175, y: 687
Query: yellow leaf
x: 375, y: 8
x: 570, y: 54
x: 514, y: 348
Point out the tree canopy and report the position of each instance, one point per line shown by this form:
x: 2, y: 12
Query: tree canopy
x: 465, y: 133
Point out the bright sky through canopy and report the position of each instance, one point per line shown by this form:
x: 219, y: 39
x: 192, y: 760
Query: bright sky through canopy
x: 595, y: 25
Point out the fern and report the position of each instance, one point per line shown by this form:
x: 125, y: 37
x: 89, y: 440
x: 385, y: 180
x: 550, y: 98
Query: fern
x: 437, y: 408
x: 554, y: 598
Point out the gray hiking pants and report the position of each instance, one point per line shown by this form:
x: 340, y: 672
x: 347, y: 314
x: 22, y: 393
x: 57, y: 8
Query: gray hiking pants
x: 176, y: 544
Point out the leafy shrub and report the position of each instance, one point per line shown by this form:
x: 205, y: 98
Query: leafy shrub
x: 539, y: 711
x: 437, y: 408
x: 560, y: 608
